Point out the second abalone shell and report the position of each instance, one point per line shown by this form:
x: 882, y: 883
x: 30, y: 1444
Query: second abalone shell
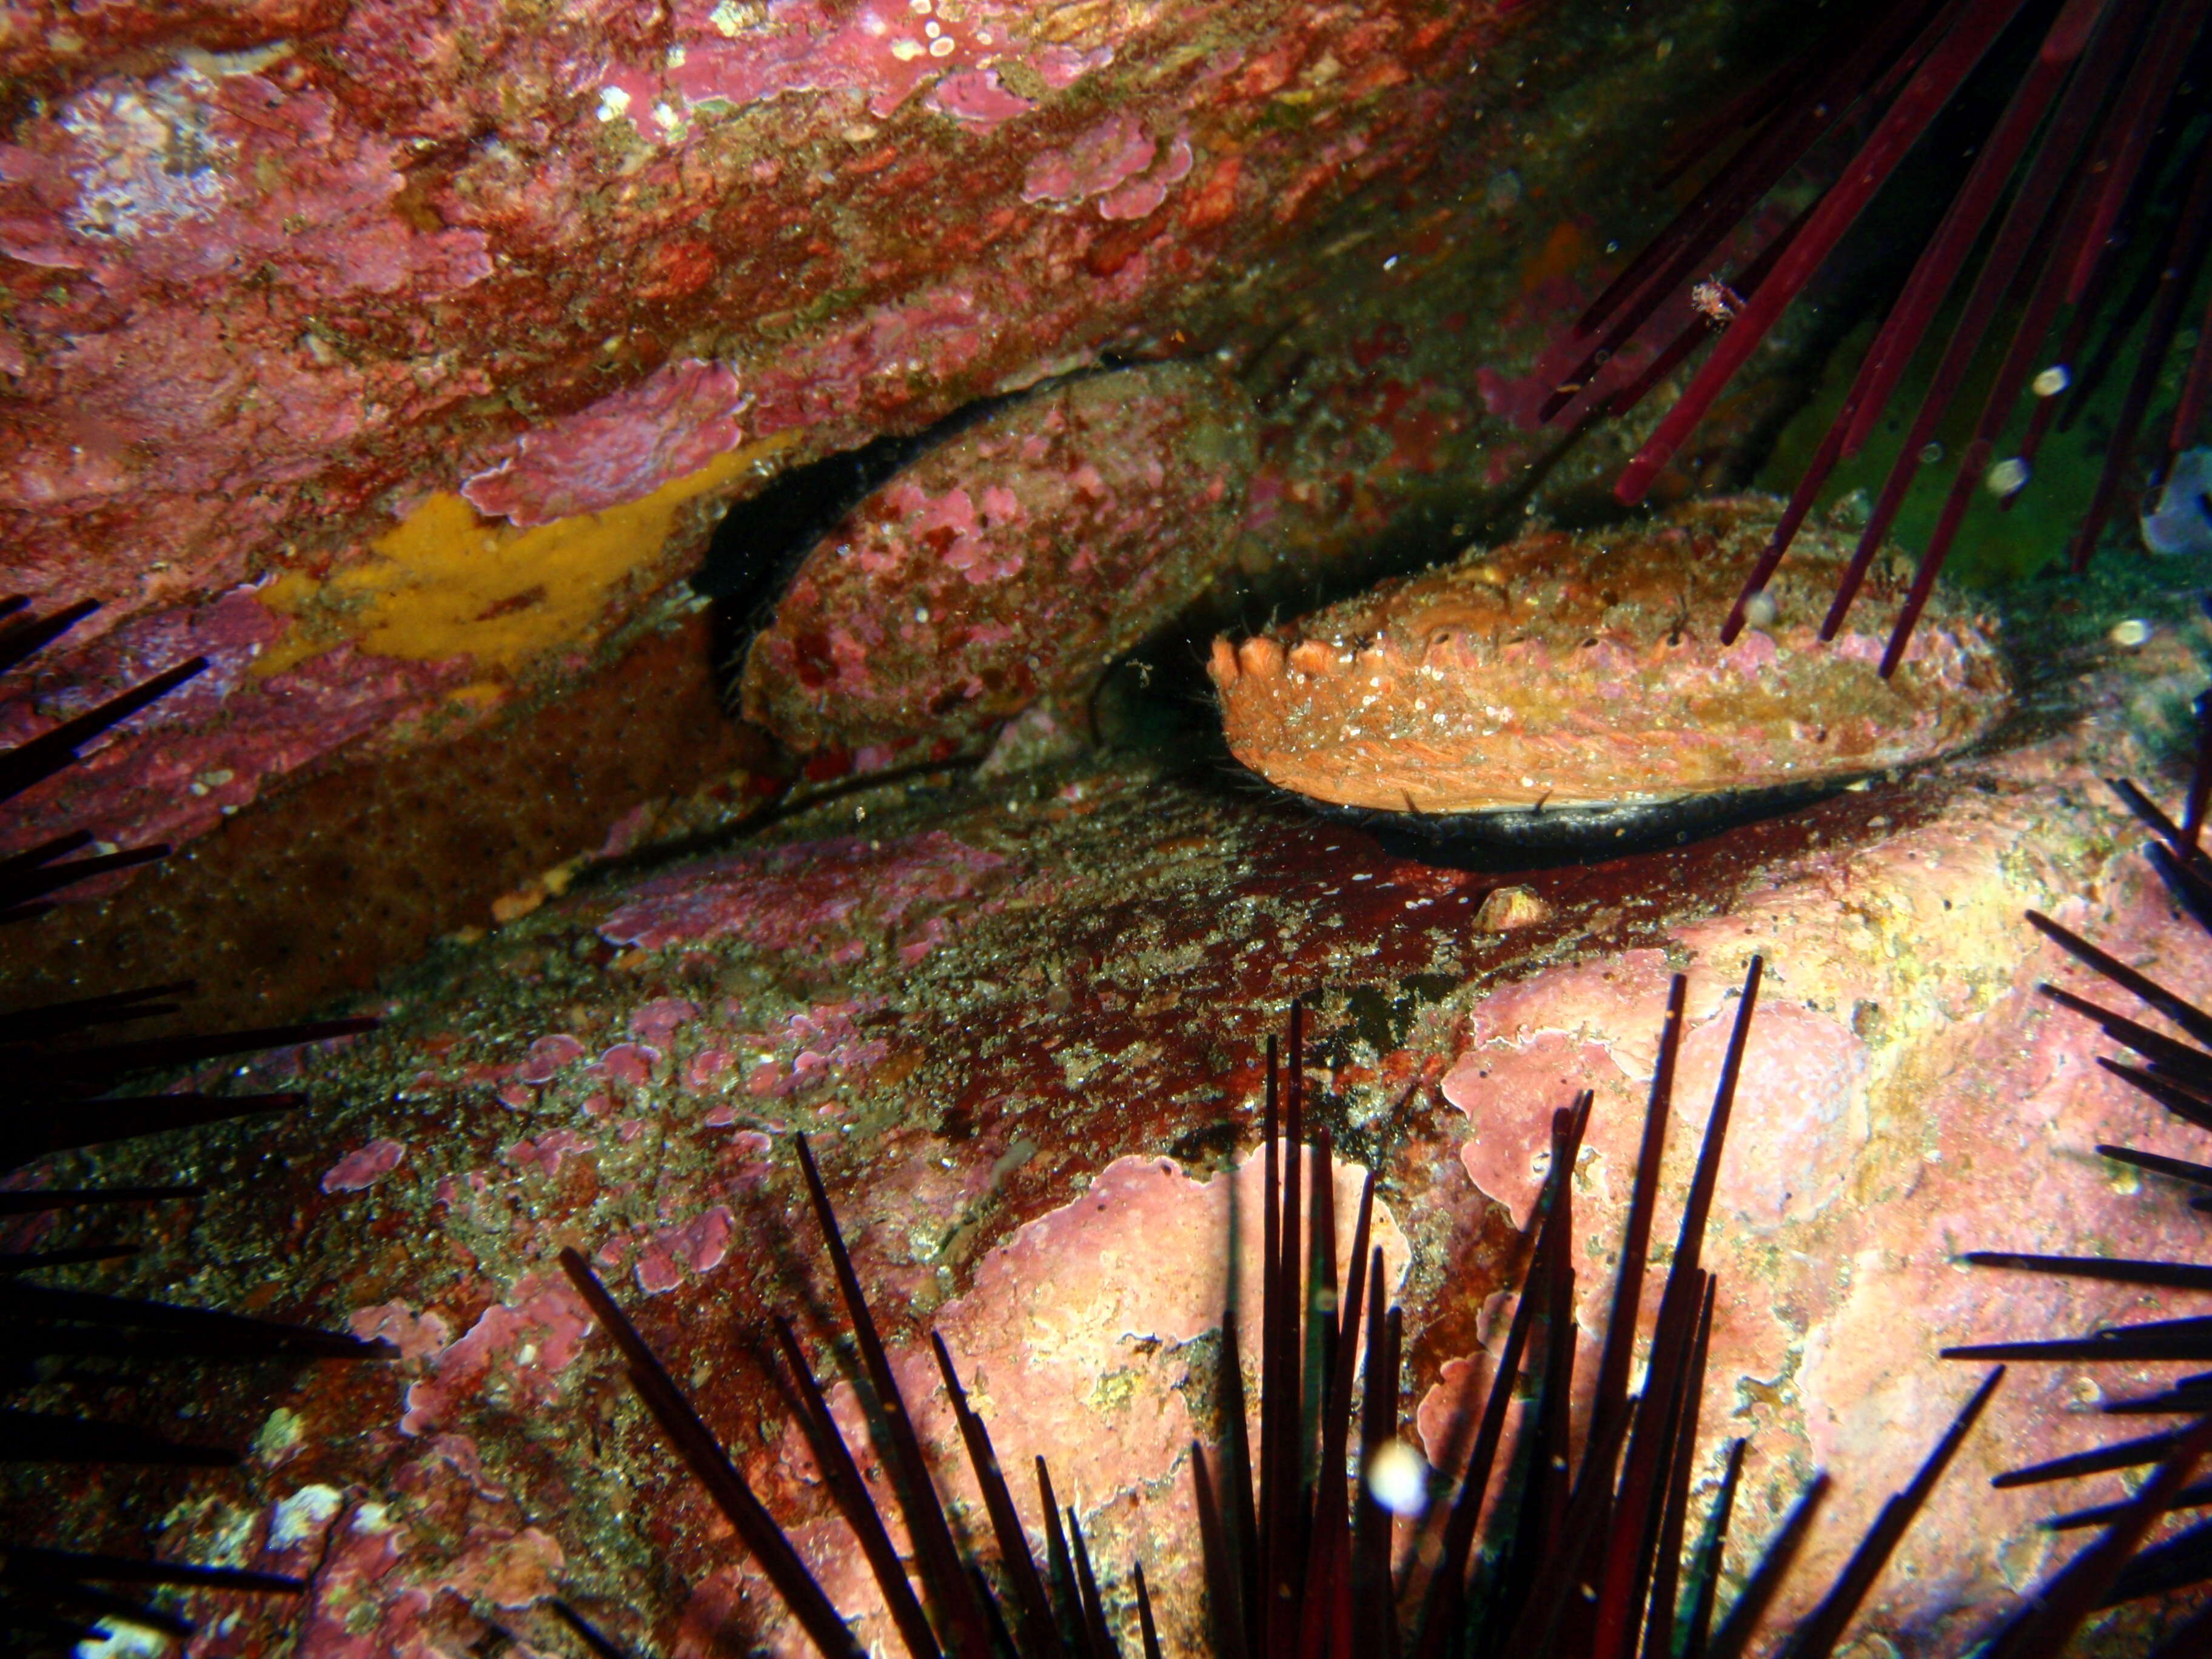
x: 1582, y: 678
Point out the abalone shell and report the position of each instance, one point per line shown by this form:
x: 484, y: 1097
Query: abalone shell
x: 1010, y: 565
x: 1579, y: 681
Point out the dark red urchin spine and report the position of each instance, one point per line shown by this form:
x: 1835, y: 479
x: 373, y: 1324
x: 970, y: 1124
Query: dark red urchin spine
x: 58, y: 1096
x: 2096, y: 120
x: 1592, y: 1569
x: 2177, y: 1073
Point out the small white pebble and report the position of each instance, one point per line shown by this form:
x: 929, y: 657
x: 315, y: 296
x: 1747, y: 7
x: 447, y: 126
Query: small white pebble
x: 2008, y: 477
x: 303, y: 1515
x: 2130, y: 634
x: 119, y: 1639
x: 2052, y: 381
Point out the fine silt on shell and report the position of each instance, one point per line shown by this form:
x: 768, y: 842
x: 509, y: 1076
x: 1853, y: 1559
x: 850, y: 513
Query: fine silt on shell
x: 1565, y: 685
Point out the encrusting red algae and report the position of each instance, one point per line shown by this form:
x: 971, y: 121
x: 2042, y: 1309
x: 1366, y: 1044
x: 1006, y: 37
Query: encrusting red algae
x: 1581, y: 677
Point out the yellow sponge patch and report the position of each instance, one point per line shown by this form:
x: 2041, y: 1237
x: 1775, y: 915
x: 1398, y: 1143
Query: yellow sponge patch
x: 447, y: 582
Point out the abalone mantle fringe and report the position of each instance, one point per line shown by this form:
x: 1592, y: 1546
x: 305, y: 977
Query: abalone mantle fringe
x: 1564, y: 687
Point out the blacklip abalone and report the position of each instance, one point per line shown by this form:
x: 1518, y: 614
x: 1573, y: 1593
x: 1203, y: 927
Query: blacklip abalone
x: 1567, y: 687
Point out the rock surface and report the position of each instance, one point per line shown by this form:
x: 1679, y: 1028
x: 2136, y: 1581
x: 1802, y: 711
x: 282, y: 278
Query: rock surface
x: 1019, y: 1022
x: 407, y: 361
x: 436, y: 340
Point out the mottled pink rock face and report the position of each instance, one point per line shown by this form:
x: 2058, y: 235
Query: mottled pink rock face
x: 1010, y: 565
x: 674, y: 421
x: 277, y: 272
x: 179, y: 767
x: 1906, y: 1097
x: 828, y: 896
x: 360, y: 1170
x: 1073, y: 1338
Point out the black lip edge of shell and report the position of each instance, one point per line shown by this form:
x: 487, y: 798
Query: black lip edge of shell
x: 1584, y: 830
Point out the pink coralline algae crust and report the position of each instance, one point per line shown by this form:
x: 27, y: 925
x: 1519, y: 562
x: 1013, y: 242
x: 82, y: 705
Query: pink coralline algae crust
x: 709, y: 1072
x: 1009, y: 565
x: 1103, y: 161
x: 832, y: 897
x: 1067, y: 1300
x: 176, y: 769
x: 1139, y: 197
x: 416, y: 1336
x: 978, y: 98
x: 1906, y: 1097
x: 623, y: 447
x: 546, y: 1056
x: 143, y: 186
x: 655, y: 1022
x: 547, y: 1151
x: 360, y: 1170
x: 1070, y: 1343
x: 526, y: 1341
x: 822, y: 1043
x: 137, y: 200
x: 375, y: 1591
x: 630, y: 1063
x: 877, y: 48
x: 1783, y: 1165
x: 698, y: 1247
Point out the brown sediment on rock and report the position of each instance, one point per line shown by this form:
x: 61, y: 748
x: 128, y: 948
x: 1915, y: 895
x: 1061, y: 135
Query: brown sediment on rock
x: 1564, y: 670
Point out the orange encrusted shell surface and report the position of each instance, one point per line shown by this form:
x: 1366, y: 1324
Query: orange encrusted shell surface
x: 1566, y: 671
